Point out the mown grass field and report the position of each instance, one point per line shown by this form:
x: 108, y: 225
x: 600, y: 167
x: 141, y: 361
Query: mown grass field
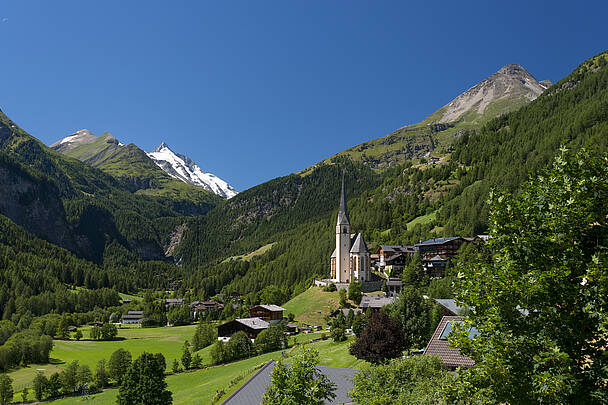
x: 313, y: 305
x: 200, y: 387
x: 168, y: 341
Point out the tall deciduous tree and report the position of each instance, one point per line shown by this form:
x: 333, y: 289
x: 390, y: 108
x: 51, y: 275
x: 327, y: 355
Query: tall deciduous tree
x: 380, y: 340
x: 541, y: 306
x: 413, y: 312
x: 6, y: 389
x: 301, y: 383
x: 119, y: 363
x: 145, y: 383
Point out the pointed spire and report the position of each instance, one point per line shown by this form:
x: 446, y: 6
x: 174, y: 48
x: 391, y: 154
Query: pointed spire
x: 343, y: 213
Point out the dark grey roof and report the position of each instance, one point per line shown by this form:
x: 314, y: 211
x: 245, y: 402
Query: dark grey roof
x: 375, y: 302
x: 438, y: 241
x: 449, y: 304
x: 252, y: 391
x: 343, y: 212
x: 135, y: 313
x: 399, y: 248
x: 359, y: 245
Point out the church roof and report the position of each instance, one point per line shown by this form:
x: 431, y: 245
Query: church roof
x: 343, y: 212
x: 359, y: 245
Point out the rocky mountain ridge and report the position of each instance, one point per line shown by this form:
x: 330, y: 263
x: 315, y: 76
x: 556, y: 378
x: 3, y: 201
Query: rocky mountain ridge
x: 507, y: 90
x: 136, y: 167
x: 185, y: 169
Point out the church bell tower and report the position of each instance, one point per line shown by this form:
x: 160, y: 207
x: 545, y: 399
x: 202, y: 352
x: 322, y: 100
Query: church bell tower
x: 343, y: 274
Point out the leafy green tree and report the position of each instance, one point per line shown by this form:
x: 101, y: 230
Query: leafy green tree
x: 63, y: 328
x: 83, y: 376
x: 273, y: 294
x: 358, y: 324
x: 25, y: 394
x: 301, y: 383
x: 197, y: 361
x: 271, y: 339
x: 69, y: 379
x: 380, y: 340
x: 6, y: 389
x: 413, y: 380
x: 101, y: 374
x: 108, y: 331
x: 218, y: 353
x: 354, y: 292
x: 413, y: 312
x: 78, y: 334
x: 541, y: 305
x: 95, y: 333
x: 343, y: 302
x: 40, y: 383
x: 239, y: 346
x: 145, y: 382
x: 119, y: 363
x: 53, y: 386
x: 179, y: 315
x: 175, y: 366
x: 186, y: 356
x: 413, y: 273
x: 205, y: 335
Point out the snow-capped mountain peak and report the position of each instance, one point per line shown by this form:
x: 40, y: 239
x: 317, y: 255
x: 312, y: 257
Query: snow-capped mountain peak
x: 183, y: 168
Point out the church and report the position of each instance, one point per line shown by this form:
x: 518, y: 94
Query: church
x: 350, y: 260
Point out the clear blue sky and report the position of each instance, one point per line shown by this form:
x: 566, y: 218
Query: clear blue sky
x: 252, y: 90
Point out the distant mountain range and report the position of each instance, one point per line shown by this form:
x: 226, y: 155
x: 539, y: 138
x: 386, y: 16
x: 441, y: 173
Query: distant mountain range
x: 506, y: 90
x: 106, y: 153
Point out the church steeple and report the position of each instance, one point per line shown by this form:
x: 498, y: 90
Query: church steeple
x: 343, y: 212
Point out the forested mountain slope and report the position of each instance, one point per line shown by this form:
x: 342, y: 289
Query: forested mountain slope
x: 401, y: 205
x: 79, y: 207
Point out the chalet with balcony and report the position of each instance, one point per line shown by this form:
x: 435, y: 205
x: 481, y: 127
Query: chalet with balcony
x: 267, y: 312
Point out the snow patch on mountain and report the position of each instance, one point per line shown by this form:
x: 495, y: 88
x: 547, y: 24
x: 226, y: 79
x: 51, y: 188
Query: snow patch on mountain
x: 183, y: 168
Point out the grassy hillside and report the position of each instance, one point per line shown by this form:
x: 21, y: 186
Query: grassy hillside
x: 313, y: 305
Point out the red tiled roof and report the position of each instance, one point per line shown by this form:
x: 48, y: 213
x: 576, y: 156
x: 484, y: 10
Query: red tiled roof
x: 441, y: 347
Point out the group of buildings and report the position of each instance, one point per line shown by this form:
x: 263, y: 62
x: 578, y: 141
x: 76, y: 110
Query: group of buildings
x: 351, y: 259
x: 198, y: 309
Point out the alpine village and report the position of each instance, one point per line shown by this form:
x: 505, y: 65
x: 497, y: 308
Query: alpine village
x: 459, y: 260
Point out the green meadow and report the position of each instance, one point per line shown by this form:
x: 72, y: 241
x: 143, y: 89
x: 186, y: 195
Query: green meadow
x: 169, y: 341
x: 201, y: 386
x: 313, y: 305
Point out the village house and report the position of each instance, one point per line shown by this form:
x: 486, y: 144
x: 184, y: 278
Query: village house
x: 394, y: 285
x: 251, y: 326
x: 440, y: 346
x: 204, y: 308
x: 436, y: 254
x: 375, y: 303
x: 170, y: 302
x: 267, y: 312
x: 388, y: 253
x: 132, y: 318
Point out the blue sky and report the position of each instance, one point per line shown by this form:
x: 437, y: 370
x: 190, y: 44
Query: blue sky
x: 253, y: 90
